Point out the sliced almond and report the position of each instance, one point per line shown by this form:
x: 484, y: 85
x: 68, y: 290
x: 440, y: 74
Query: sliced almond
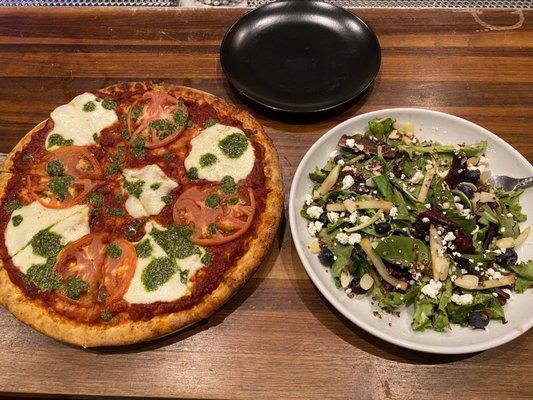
x: 472, y: 161
x: 406, y: 140
x: 467, y: 282
x: 350, y: 205
x: 394, y: 134
x: 345, y: 279
x: 485, y: 175
x: 505, y: 243
x: 494, y: 283
x: 486, y: 197
x: 314, y: 247
x: 508, y: 242
x: 366, y: 282
x: 522, y: 237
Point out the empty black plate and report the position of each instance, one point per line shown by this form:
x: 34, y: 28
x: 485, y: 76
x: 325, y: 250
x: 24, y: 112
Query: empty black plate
x: 300, y: 56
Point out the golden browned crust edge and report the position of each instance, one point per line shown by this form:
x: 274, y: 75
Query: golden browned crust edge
x: 35, y: 314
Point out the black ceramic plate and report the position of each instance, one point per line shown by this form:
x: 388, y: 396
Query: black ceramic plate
x: 300, y: 56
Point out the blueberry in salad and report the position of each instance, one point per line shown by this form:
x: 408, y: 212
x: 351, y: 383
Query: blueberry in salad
x: 409, y: 221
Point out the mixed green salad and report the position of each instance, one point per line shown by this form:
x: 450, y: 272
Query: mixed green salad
x: 408, y: 221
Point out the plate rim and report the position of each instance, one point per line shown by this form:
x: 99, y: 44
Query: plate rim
x: 300, y: 248
x: 302, y: 110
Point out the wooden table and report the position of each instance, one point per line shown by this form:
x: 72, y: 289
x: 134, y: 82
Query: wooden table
x: 277, y: 338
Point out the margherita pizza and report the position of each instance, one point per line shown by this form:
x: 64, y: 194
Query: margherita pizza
x: 134, y: 211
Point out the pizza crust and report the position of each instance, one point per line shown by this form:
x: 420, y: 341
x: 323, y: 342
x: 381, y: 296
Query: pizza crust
x: 36, y: 314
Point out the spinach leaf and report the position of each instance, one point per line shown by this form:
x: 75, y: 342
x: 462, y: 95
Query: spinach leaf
x: 403, y: 250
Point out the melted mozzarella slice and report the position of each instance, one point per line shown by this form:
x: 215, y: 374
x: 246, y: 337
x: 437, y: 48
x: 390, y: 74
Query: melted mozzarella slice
x: 70, y: 223
x: 156, y: 186
x: 207, y: 142
x: 73, y: 123
x: 173, y: 288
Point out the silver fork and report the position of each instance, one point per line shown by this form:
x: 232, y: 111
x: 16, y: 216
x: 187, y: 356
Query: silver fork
x: 507, y: 183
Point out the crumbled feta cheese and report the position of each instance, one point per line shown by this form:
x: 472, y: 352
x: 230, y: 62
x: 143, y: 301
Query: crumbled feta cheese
x: 314, y: 227
x: 333, y: 216
x: 342, y: 238
x: 432, y: 289
x: 464, y: 271
x: 354, y: 238
x: 465, y: 212
x: 456, y: 198
x: 333, y: 154
x: 353, y: 217
x: 341, y: 162
x: 393, y: 212
x: 450, y: 237
x: 364, y: 218
x: 425, y: 220
x: 308, y: 199
x: 497, y: 275
x: 360, y: 147
x: 417, y: 177
x: 350, y: 142
x: 315, y: 212
x: 402, y: 176
x: 510, y: 215
x: 462, y: 299
x: 347, y: 182
x: 427, y: 205
x: 502, y: 229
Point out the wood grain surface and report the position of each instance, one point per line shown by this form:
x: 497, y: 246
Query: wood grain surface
x: 277, y: 338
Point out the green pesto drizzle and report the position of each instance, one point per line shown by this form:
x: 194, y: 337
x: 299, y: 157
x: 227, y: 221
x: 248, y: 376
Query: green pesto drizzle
x: 157, y: 273
x: 113, y: 251
x: 143, y: 249
x: 207, y: 159
x: 89, y: 106
x: 59, y: 186
x: 56, y: 139
x: 233, y: 145
x: 55, y: 168
x: 134, y: 188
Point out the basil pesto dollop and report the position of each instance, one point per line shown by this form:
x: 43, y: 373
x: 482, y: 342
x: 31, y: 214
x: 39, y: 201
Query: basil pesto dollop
x: 234, y: 145
x: 207, y: 159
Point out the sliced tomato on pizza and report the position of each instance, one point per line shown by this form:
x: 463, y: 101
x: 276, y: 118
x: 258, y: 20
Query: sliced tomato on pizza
x: 215, y: 217
x: 158, y: 118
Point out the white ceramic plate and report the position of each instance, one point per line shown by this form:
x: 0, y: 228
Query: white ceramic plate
x: 445, y: 129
